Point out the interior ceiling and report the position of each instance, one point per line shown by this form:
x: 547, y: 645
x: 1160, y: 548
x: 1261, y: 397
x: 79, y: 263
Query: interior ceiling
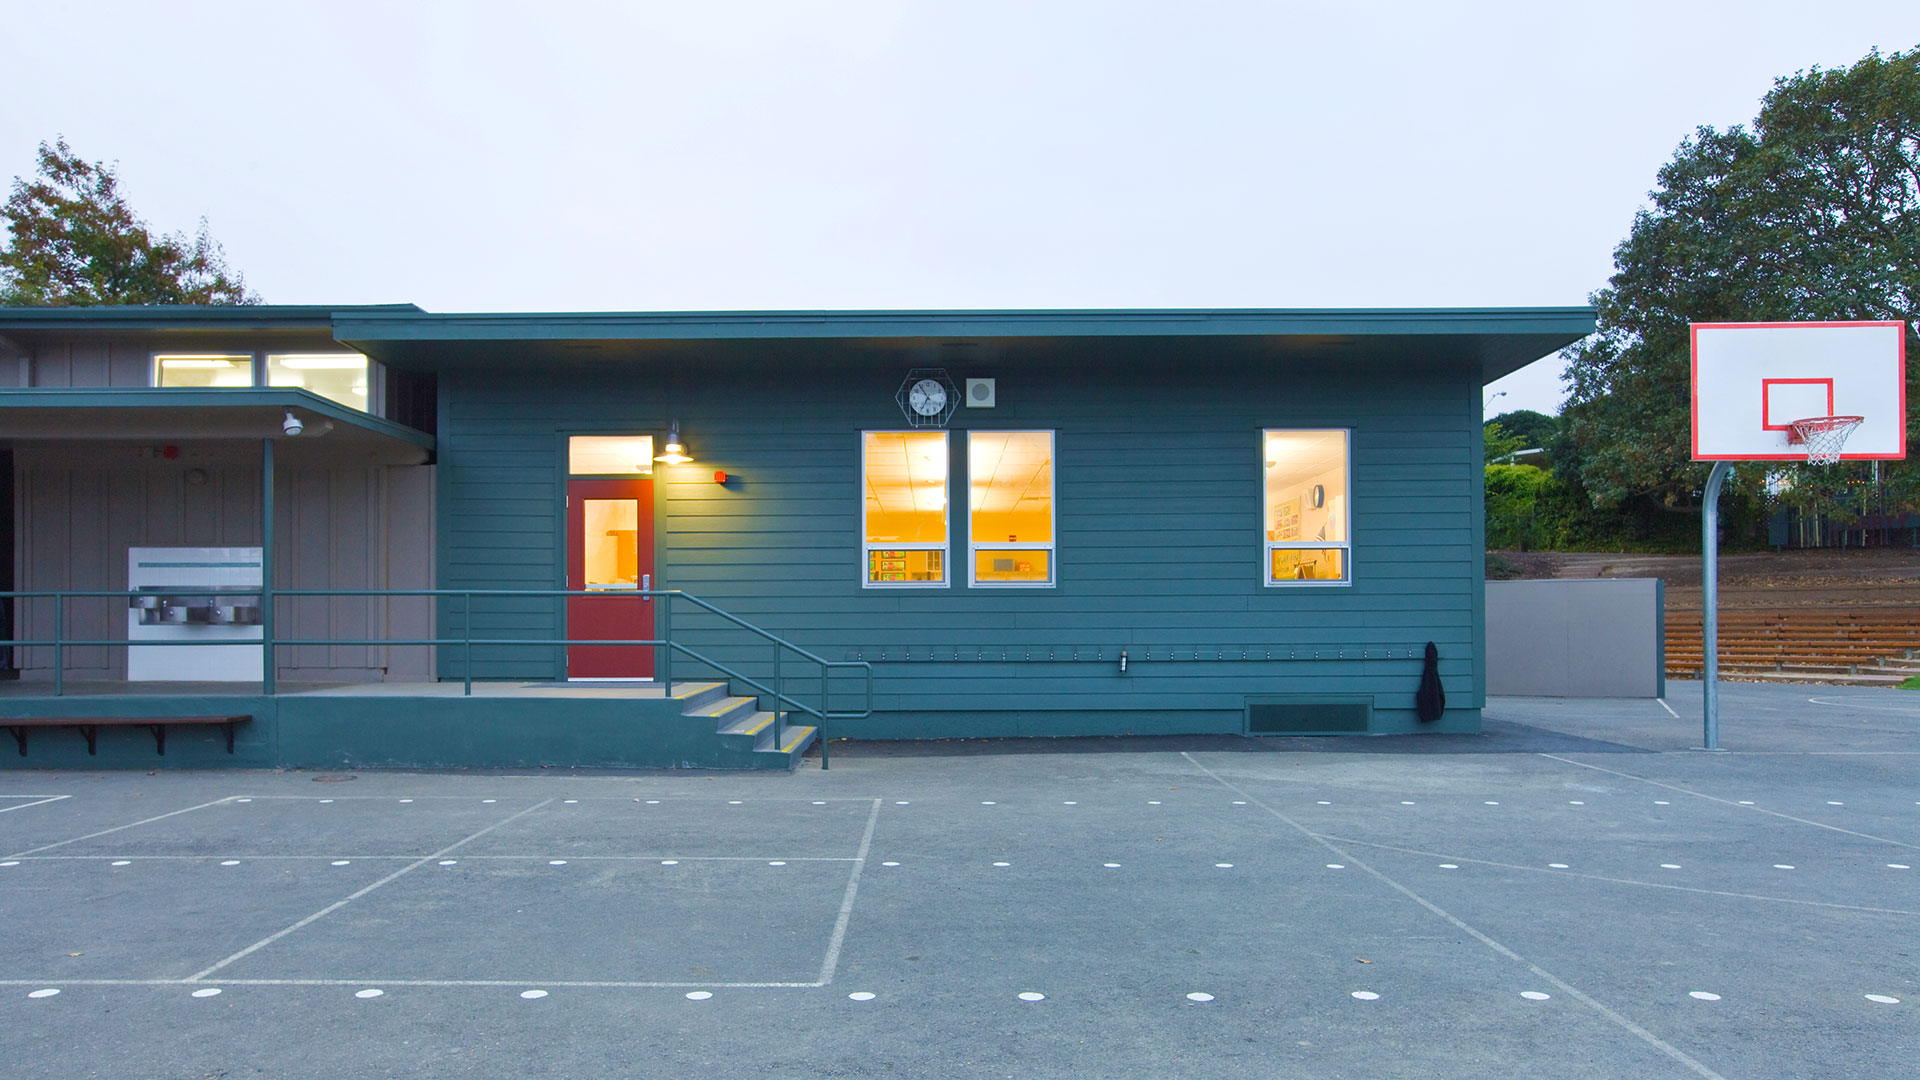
x: 906, y: 472
x: 1294, y: 457
x: 1010, y: 471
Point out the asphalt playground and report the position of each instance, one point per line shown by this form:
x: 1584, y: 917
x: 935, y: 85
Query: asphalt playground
x: 1577, y: 892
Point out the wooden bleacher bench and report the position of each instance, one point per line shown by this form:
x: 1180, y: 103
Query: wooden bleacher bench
x: 89, y: 727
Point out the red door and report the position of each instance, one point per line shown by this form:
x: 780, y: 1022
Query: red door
x: 610, y: 551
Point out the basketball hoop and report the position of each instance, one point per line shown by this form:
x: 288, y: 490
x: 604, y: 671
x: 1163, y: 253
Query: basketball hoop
x: 1823, y: 435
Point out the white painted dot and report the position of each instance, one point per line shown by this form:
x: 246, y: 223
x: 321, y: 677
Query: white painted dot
x: 1702, y: 995
x: 1323, y: 802
x: 556, y: 862
x: 406, y: 800
x: 1490, y: 802
x: 1782, y: 866
x: 1199, y: 997
x: 1830, y: 802
x: 368, y: 993
x: 49, y: 992
x: 889, y: 864
x: 533, y: 995
x: 903, y: 802
x: 342, y: 862
x: 1366, y: 995
x: 448, y: 862
x: 1069, y: 803
x: 129, y: 862
x: 669, y: 862
x: 1746, y: 802
x: 1224, y: 865
x: 243, y: 800
x: 1406, y: 802
x: 10, y: 862
x: 223, y: 862
x: 1449, y: 866
x: 1557, y: 865
x: 1883, y: 999
x: 861, y: 995
x: 776, y: 863
x: 1898, y: 866
x: 1661, y: 802
x: 489, y: 800
x: 1153, y: 802
x: 209, y: 991
x: 1336, y: 866
x: 1031, y: 996
x: 823, y: 802
x: 653, y: 802
x: 1669, y: 866
x: 734, y: 802
x: 700, y: 995
x: 1003, y: 864
x: 1239, y: 802
x: 988, y: 804
x: 1111, y: 865
x: 569, y: 800
x: 1575, y: 802
x: 1535, y: 995
x: 326, y: 800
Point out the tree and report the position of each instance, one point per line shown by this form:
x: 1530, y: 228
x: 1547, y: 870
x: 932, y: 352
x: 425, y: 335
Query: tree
x: 1814, y: 214
x: 75, y: 241
x: 1533, y: 429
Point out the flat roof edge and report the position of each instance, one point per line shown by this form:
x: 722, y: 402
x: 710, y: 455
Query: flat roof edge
x: 191, y: 316
x: 148, y: 397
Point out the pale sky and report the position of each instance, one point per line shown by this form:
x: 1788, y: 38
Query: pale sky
x: 874, y: 154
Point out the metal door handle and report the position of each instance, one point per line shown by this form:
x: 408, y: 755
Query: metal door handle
x: 646, y: 585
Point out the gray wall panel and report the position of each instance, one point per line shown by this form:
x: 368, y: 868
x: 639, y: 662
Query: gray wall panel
x: 1596, y: 638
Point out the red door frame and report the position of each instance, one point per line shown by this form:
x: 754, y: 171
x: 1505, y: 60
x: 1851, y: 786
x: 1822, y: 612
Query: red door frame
x: 617, y: 614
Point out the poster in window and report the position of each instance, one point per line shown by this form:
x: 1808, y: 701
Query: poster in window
x: 1286, y: 520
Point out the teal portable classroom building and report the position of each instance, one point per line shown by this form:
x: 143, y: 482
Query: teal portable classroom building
x: 891, y: 524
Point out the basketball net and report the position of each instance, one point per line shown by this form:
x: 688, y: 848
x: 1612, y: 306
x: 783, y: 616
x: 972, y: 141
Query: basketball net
x: 1824, y: 436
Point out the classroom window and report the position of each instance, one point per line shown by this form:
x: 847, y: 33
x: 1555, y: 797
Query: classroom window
x: 904, y: 508
x: 340, y: 377
x: 1305, y: 507
x: 610, y: 455
x: 1010, y: 508
x: 203, y: 369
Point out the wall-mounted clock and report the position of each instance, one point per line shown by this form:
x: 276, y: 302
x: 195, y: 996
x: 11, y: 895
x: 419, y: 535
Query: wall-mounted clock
x: 1318, y: 496
x: 927, y: 397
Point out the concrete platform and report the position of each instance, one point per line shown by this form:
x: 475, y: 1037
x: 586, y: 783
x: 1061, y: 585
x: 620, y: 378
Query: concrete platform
x: 1574, y: 893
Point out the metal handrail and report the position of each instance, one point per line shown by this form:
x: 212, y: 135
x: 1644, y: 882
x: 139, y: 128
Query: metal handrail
x: 669, y: 647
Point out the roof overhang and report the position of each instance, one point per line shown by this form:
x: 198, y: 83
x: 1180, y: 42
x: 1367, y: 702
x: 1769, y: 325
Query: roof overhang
x: 331, y: 433
x: 1498, y: 341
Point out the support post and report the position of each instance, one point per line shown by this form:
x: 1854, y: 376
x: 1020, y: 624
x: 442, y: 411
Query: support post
x: 1710, y: 606
x: 266, y: 568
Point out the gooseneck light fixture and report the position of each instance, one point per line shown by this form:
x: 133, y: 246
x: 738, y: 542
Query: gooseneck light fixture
x: 675, y: 453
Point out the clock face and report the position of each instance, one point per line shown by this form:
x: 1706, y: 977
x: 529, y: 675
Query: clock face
x: 927, y: 397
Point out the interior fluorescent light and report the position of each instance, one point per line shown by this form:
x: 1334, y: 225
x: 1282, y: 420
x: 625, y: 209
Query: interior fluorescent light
x: 184, y: 362
x: 318, y: 361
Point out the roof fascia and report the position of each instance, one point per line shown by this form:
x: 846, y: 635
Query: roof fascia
x: 210, y: 397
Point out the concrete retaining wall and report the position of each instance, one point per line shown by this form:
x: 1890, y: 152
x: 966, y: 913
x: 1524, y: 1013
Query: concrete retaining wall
x: 1577, y: 638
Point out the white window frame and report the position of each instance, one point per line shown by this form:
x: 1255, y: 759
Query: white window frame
x: 1344, y: 545
x: 1053, y: 516
x: 154, y: 358
x: 944, y: 547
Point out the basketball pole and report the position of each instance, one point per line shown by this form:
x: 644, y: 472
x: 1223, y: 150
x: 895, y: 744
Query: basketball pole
x: 1710, y: 603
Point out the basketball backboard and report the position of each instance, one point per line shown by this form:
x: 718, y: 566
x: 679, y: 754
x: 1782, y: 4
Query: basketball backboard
x: 1751, y: 381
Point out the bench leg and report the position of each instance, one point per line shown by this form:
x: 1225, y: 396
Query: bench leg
x: 19, y: 736
x: 159, y: 737
x: 229, y: 736
x: 89, y: 732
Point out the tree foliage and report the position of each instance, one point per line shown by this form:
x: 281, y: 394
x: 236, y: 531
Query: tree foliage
x: 1533, y: 429
x: 75, y: 241
x: 1813, y: 214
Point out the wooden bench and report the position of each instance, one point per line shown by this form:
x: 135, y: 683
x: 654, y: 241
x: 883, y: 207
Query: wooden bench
x: 89, y: 727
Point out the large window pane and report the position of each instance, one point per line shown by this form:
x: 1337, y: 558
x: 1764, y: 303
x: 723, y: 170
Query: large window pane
x: 1010, y: 507
x: 609, y: 531
x: 610, y: 455
x: 904, y: 512
x: 202, y: 369
x: 1305, y: 506
x: 340, y: 377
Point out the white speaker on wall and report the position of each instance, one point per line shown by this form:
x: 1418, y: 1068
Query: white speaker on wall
x: 979, y: 393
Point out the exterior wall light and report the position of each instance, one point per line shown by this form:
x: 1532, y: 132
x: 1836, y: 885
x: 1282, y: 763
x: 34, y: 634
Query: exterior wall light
x: 675, y: 453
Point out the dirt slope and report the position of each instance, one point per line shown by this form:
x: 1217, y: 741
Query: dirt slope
x: 1852, y: 578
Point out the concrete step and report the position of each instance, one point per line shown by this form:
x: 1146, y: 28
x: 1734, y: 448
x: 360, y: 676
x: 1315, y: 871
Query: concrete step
x: 725, y: 710
x: 692, y: 695
x: 757, y: 726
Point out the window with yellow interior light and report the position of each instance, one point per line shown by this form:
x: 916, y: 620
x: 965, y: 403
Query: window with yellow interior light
x: 203, y: 369
x: 340, y: 377
x: 904, y: 508
x: 1305, y: 507
x: 1010, y: 508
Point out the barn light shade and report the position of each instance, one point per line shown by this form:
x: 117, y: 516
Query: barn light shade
x: 675, y: 453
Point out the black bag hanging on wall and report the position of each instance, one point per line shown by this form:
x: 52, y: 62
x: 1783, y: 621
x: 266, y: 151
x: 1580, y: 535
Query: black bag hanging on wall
x: 1431, y: 700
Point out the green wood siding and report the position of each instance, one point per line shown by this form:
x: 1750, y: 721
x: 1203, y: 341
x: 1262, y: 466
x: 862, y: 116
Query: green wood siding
x: 1158, y: 504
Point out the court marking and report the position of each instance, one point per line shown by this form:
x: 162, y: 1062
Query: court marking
x: 464, y: 858
x: 1870, y: 708
x: 38, y: 801
x: 1669, y: 708
x: 1733, y: 802
x: 1623, y: 1022
x: 118, y: 828
x: 1613, y: 880
x: 832, y: 961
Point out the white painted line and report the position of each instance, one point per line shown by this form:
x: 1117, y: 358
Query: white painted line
x: 118, y: 828
x: 338, y: 904
x: 10, y: 862
x: 1727, y: 802
x: 36, y: 802
x: 1027, y: 996
x: 839, y: 938
x: 1870, y: 708
x: 1898, y: 866
x: 1567, y: 988
x: 1669, y: 708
